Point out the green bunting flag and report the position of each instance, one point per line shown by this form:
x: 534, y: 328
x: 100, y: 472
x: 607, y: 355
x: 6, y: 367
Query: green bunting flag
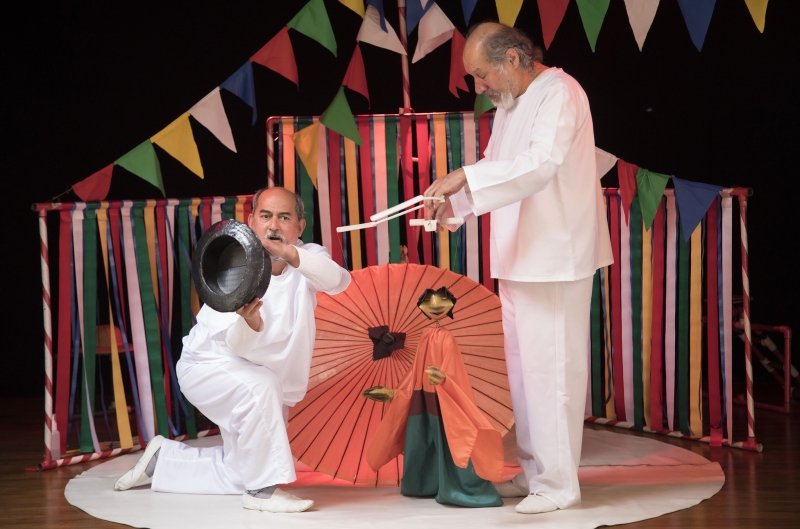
x: 482, y: 104
x: 651, y: 188
x: 339, y: 118
x: 592, y: 14
x: 313, y: 22
x: 143, y: 162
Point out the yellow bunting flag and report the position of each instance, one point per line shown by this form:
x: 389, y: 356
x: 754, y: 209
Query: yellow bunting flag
x: 355, y: 5
x: 306, y: 143
x: 507, y: 11
x: 758, y: 10
x: 177, y: 139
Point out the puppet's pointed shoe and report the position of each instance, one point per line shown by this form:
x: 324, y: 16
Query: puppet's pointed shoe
x: 137, y: 474
x: 280, y: 501
x: 535, y: 504
x: 509, y: 489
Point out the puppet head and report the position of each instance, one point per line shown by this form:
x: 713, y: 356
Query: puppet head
x: 436, y: 304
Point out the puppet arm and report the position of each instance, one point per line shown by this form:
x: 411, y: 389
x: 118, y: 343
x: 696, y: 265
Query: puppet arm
x: 435, y: 375
x: 378, y: 393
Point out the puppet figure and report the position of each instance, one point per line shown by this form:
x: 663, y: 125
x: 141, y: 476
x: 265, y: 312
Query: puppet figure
x: 451, y: 450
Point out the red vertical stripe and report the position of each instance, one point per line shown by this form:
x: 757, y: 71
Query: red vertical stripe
x: 712, y: 332
x: 424, y: 171
x: 247, y: 209
x: 205, y: 211
x: 335, y: 188
x: 64, y: 327
x: 657, y: 333
x: 484, y: 131
x: 616, y: 310
x: 412, y: 234
x: 367, y: 200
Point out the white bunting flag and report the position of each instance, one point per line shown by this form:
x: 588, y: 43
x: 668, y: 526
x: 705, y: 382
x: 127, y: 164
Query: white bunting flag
x: 210, y: 113
x: 641, y: 14
x: 605, y: 161
x: 434, y: 30
x: 371, y: 33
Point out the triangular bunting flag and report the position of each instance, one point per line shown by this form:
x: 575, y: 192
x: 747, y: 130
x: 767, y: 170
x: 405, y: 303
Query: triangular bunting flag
x: 378, y: 5
x: 371, y: 33
x: 758, y: 10
x: 306, y: 143
x: 482, y: 104
x: 604, y: 160
x: 457, y: 71
x: 627, y: 185
x: 415, y: 10
x: 640, y: 15
x: 177, y: 139
x: 95, y: 188
x: 339, y: 118
x: 313, y: 22
x: 508, y: 10
x: 434, y: 30
x: 278, y: 56
x: 355, y: 5
x: 697, y: 14
x: 551, y: 12
x: 242, y: 86
x: 468, y: 6
x: 592, y: 14
x: 143, y: 162
x: 355, y: 78
x: 693, y: 200
x: 210, y: 113
x: 651, y: 188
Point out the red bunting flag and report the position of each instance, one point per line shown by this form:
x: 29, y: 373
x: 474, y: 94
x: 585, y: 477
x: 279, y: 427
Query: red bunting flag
x: 95, y: 187
x: 457, y: 71
x: 278, y: 56
x: 627, y: 185
x: 552, y: 13
x: 355, y: 78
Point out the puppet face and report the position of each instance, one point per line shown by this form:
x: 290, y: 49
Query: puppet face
x: 436, y: 304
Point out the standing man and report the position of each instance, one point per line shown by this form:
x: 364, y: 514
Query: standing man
x: 549, y: 234
x: 243, y: 370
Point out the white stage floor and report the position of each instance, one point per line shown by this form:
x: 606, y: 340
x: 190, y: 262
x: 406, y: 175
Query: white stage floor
x: 623, y: 479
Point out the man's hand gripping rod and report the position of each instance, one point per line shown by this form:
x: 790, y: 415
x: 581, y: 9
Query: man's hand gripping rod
x: 402, y: 209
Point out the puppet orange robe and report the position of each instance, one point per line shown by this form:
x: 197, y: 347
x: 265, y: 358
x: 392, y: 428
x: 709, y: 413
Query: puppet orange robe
x: 451, y: 449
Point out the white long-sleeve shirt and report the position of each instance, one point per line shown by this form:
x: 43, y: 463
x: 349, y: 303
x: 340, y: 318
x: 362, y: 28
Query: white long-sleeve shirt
x: 539, y: 181
x: 286, y: 341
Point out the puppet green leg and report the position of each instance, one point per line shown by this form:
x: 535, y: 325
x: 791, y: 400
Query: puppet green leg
x: 420, y: 466
x: 459, y: 486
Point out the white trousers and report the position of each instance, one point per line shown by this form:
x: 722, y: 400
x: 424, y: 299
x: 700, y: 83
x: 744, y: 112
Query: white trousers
x: 246, y: 401
x: 546, y: 327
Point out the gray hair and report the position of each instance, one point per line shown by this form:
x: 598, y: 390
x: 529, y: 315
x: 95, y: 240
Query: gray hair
x: 498, y: 42
x: 299, y: 206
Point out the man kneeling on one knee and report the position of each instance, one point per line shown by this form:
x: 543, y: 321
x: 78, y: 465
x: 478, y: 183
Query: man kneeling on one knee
x: 243, y: 370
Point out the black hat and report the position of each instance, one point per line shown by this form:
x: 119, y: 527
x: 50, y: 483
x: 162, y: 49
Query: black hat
x: 230, y: 266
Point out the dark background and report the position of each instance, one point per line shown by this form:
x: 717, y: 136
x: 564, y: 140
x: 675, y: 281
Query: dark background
x: 85, y: 82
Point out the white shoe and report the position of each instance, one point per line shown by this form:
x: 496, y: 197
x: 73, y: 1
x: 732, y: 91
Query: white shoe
x: 280, y: 501
x: 534, y: 504
x: 136, y: 475
x: 509, y: 489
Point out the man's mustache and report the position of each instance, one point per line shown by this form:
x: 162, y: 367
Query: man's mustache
x: 275, y: 236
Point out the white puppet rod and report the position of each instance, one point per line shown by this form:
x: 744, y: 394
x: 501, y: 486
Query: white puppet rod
x: 403, y: 209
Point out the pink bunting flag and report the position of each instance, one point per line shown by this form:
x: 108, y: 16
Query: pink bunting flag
x: 278, y: 56
x: 457, y: 71
x: 355, y: 78
x: 95, y: 187
x: 552, y: 13
x: 627, y: 185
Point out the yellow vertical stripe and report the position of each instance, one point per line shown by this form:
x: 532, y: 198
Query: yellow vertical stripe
x: 239, y: 212
x: 351, y: 172
x: 150, y: 228
x: 440, y: 150
x: 287, y: 129
x: 123, y: 423
x: 696, y: 333
x: 611, y: 412
x: 647, y: 316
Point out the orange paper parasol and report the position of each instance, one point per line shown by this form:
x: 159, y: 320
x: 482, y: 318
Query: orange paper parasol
x: 368, y: 336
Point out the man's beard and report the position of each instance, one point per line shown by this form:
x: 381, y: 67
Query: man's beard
x: 503, y: 98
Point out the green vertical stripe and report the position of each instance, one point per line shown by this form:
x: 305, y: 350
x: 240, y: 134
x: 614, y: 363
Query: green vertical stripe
x: 150, y: 322
x: 636, y: 310
x: 305, y: 187
x: 392, y: 187
x: 89, y: 325
x: 228, y: 208
x: 597, y: 350
x: 186, y: 306
x: 455, y: 156
x: 683, y: 331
